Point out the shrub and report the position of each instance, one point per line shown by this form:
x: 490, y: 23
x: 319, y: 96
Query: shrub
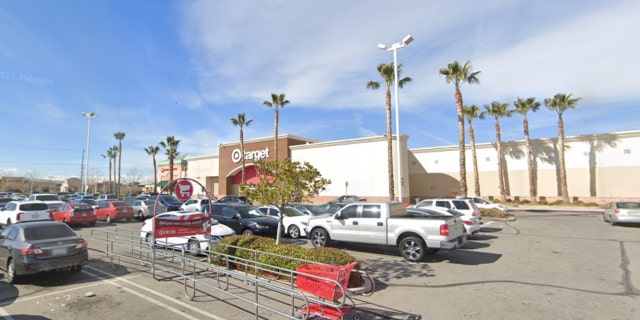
x: 493, y: 213
x: 244, y: 248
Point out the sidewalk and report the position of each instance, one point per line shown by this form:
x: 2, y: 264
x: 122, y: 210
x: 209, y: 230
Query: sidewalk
x: 538, y: 208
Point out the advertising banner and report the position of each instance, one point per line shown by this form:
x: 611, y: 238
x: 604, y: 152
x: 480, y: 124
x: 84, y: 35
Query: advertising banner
x: 182, y: 225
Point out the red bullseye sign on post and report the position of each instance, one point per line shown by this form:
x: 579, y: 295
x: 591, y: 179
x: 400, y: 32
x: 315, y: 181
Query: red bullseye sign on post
x: 183, y: 190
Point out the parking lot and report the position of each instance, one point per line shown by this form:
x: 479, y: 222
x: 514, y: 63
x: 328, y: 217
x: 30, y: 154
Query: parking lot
x: 543, y: 265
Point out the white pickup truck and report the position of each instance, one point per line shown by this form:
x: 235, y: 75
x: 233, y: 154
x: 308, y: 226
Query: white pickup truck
x: 387, y: 223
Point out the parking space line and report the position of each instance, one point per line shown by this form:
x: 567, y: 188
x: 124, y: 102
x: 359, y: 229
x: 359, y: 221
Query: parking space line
x: 168, y: 298
x: 18, y: 299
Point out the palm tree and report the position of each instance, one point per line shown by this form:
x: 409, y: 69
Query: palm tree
x: 241, y: 122
x: 388, y: 76
x: 473, y: 112
x: 171, y: 150
x: 560, y: 103
x: 119, y: 136
x: 152, y: 151
x: 523, y: 106
x: 112, y: 154
x: 458, y: 74
x: 498, y: 110
x: 277, y: 100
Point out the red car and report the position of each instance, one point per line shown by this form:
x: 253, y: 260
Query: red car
x: 74, y: 214
x: 114, y: 210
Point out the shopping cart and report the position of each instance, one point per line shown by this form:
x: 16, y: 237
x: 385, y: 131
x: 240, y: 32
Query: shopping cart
x: 330, y: 284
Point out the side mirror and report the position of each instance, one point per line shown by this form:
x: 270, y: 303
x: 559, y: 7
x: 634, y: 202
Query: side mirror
x: 338, y: 216
x: 236, y: 216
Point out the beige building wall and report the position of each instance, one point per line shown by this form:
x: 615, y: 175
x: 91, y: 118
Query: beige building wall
x: 204, y: 169
x: 599, y: 168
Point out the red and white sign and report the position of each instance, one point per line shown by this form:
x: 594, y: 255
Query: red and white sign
x: 183, y: 189
x: 188, y: 224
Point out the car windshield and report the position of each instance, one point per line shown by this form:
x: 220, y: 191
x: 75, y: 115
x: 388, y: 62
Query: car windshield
x: 47, y: 197
x: 119, y: 203
x: 171, y: 200
x: 293, y: 212
x: 33, y: 206
x: 49, y: 231
x: 250, y: 212
x: 629, y: 205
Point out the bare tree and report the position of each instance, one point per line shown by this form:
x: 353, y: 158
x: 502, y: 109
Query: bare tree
x: 5, y: 178
x: 31, y: 176
x: 132, y: 178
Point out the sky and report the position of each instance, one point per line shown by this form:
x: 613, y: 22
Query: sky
x: 158, y: 68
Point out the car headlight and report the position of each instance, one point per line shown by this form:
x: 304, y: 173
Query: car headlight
x: 212, y: 237
x: 261, y: 227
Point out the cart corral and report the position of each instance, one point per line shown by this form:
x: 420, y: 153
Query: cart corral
x: 267, y: 291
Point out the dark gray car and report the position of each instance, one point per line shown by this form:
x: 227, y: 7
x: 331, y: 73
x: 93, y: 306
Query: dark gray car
x: 32, y: 247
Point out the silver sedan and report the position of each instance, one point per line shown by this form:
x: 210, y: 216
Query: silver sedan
x: 622, y: 212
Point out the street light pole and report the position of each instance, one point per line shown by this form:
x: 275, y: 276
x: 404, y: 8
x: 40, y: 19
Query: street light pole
x: 85, y: 183
x: 394, y: 47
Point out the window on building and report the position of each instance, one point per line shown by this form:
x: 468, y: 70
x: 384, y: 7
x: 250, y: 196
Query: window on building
x: 487, y: 159
x: 627, y: 151
x: 550, y: 155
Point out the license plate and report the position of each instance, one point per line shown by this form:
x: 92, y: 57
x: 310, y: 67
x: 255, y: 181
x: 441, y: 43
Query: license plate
x: 58, y: 251
x: 84, y: 214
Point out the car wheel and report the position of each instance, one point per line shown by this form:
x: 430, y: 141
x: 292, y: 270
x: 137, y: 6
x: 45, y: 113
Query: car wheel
x: 150, y: 240
x: 92, y: 224
x: 412, y: 249
x: 64, y: 220
x: 294, y: 231
x: 140, y: 216
x: 319, y: 237
x: 108, y: 218
x: 247, y: 232
x: 12, y: 277
x: 76, y: 269
x: 193, y: 247
x: 8, y: 222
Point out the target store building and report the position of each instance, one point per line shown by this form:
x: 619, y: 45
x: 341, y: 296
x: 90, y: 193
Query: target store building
x: 600, y: 167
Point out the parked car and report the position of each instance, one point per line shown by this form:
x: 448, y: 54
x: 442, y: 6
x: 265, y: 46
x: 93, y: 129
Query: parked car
x: 24, y: 211
x: 107, y: 197
x: 349, y: 198
x: 622, y: 212
x: 29, y: 248
x: 486, y: 204
x: 234, y: 199
x: 194, y: 205
x: 80, y: 197
x: 294, y: 221
x: 52, y: 200
x: 434, y: 212
x: 143, y: 209
x: 75, y: 214
x: 243, y: 218
x: 472, y: 216
x: 387, y: 223
x: 113, y: 210
x: 321, y: 209
x: 171, y: 202
x: 195, y: 245
x: 4, y: 201
x: 17, y: 196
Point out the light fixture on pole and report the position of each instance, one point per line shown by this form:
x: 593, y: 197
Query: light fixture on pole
x: 85, y: 183
x: 394, y: 47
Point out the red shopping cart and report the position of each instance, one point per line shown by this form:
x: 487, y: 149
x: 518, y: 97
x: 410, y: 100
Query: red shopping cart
x: 329, y: 283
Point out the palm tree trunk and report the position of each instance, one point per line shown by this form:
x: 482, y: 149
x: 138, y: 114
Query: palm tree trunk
x: 109, y: 175
x: 563, y: 169
x: 476, y: 177
x: 155, y: 175
x: 387, y: 98
x: 503, y: 192
x: 275, y: 134
x: 242, y: 151
x: 461, y: 144
x: 532, y: 181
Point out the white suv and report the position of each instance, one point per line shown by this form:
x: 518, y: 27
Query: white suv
x: 52, y: 200
x: 23, y: 211
x: 472, y: 216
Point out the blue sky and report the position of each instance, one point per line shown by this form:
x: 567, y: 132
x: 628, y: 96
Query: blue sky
x: 161, y: 68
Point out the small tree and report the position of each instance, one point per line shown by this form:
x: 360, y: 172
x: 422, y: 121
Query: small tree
x: 295, y: 183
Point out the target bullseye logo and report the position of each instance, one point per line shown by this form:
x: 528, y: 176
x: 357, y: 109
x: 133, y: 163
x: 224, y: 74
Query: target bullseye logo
x: 236, y: 155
